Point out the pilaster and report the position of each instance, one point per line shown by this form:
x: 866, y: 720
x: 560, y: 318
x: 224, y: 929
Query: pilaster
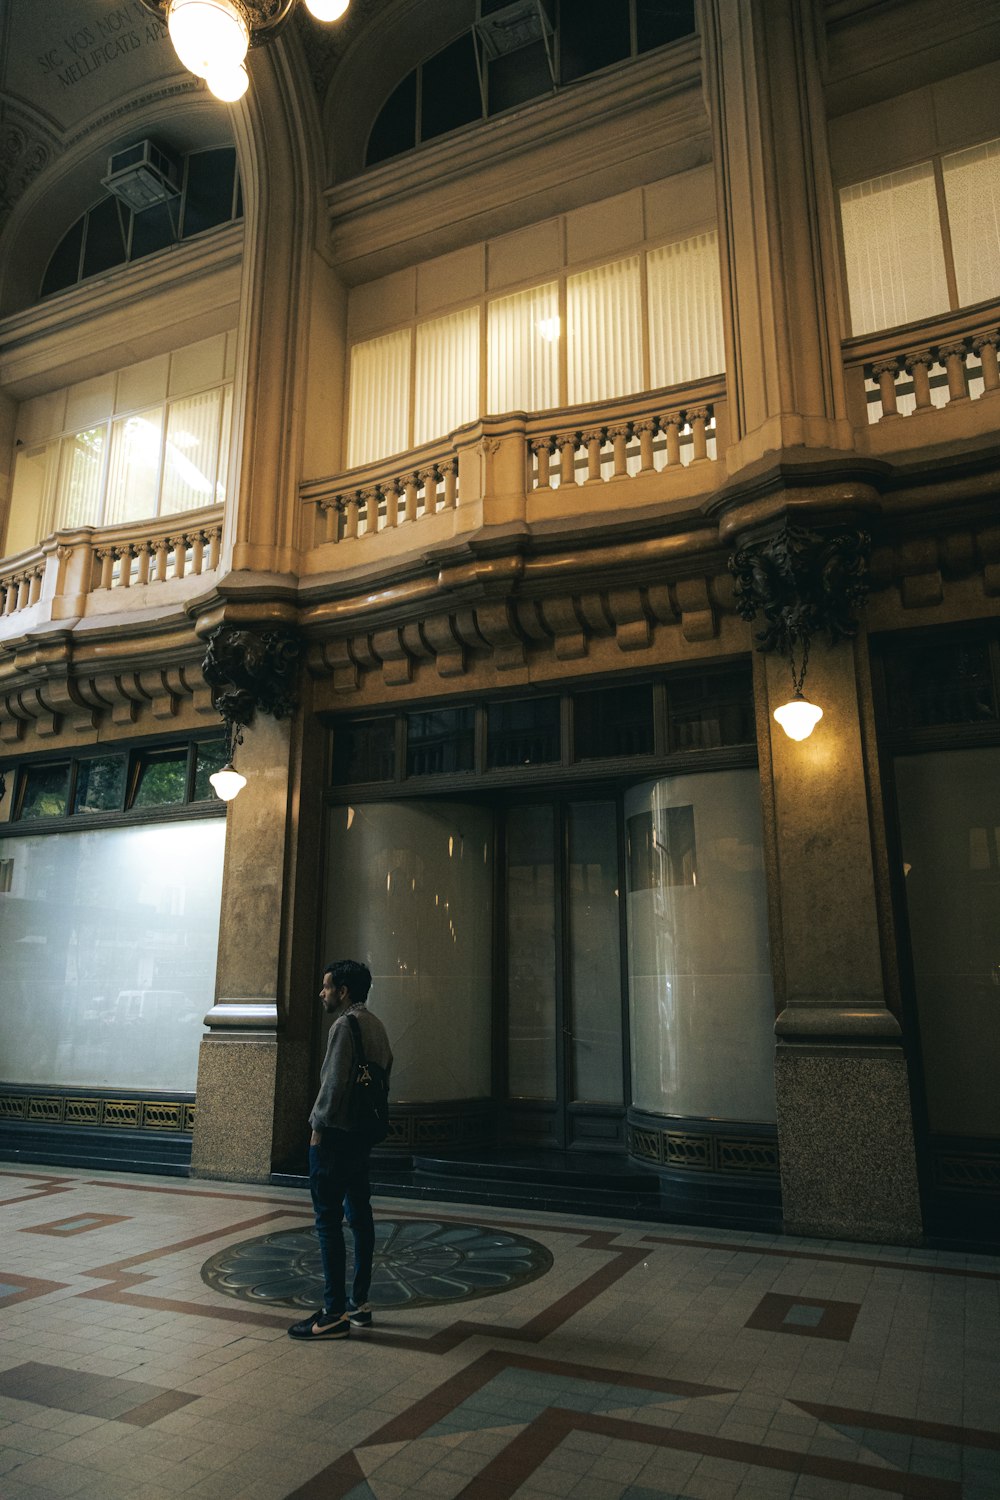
x: 238, y: 1065
x: 848, y: 1166
x: 777, y: 231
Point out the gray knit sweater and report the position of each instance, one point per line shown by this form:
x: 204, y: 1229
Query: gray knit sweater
x: 336, y: 1075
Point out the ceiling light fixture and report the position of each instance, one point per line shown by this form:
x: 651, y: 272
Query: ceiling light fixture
x: 212, y: 37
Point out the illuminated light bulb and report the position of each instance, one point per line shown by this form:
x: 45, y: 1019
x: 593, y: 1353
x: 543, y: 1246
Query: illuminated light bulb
x: 209, y: 36
x: 327, y: 10
x: 228, y: 782
x: 798, y: 718
x: 229, y: 84
x: 549, y: 329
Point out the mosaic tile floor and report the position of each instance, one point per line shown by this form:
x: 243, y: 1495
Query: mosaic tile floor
x: 642, y: 1364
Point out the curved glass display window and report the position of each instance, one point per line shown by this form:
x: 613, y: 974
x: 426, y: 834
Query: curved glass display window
x: 701, y: 999
x: 410, y: 893
x: 109, y: 939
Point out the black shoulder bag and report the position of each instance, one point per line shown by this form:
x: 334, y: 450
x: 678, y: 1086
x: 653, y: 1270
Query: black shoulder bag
x: 368, y: 1108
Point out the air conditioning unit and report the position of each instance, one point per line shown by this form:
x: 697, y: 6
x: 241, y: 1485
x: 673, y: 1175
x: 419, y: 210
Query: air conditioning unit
x: 505, y: 26
x: 143, y: 175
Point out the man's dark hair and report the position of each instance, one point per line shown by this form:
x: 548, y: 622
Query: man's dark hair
x: 356, y: 977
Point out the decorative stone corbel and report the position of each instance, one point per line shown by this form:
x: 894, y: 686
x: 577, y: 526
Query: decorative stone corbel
x: 250, y: 670
x: 802, y: 582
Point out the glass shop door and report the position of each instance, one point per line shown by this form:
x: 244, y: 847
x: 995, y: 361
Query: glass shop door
x: 561, y: 975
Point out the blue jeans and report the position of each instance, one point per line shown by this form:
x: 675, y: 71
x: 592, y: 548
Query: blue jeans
x: 339, y: 1183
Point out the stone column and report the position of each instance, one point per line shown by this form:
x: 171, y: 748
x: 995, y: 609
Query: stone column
x: 845, y: 1134
x: 777, y: 230
x: 237, y: 1067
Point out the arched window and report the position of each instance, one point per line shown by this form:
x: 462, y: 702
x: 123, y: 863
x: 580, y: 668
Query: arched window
x: 517, y: 52
x: 112, y: 233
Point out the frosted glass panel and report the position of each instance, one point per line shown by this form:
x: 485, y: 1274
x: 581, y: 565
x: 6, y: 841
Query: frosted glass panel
x: 685, y: 311
x: 949, y: 819
x: 523, y: 333
x: 972, y: 189
x: 603, y: 332
x: 409, y: 892
x: 81, y: 477
x: 447, y: 379
x: 701, y: 1000
x: 531, y: 954
x: 893, y: 249
x: 109, y: 941
x: 380, y: 398
x: 191, y: 453
x: 595, y: 1025
x: 134, y: 467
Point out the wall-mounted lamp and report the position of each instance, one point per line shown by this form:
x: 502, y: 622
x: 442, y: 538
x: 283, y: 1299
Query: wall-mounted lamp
x: 802, y: 582
x: 798, y: 717
x: 248, y: 670
x: 227, y: 781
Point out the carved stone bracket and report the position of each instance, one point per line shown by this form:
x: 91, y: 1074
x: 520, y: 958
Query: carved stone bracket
x: 250, y: 670
x: 803, y: 582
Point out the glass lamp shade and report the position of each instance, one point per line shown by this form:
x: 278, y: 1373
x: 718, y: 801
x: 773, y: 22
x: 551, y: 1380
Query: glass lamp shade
x: 228, y: 782
x: 798, y: 718
x: 209, y: 36
x: 229, y: 84
x: 327, y: 10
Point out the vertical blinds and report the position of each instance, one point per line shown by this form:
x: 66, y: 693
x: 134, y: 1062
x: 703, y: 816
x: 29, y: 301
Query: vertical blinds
x: 541, y: 354
x: 972, y: 191
x: 522, y: 341
x: 603, y: 336
x: 893, y: 249
x: 685, y: 318
x: 446, y: 393
x: 378, y: 423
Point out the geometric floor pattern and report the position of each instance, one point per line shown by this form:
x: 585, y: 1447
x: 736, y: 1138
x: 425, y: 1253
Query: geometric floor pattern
x: 642, y: 1362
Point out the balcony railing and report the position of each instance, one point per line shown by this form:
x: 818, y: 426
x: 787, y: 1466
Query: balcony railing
x: 939, y: 367
x: 86, y: 571
x: 635, y: 451
x: 668, y: 433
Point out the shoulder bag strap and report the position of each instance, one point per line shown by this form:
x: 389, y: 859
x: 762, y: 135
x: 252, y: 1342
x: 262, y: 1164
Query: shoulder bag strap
x: 359, y: 1045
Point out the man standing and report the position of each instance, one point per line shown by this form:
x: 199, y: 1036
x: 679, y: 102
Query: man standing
x: 338, y: 1155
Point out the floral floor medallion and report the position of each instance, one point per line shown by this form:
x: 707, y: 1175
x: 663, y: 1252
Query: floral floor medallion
x: 417, y: 1262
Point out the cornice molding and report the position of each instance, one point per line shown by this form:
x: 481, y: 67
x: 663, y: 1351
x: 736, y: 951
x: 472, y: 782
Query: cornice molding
x: 197, y: 278
x: 623, y: 129
x: 514, y: 603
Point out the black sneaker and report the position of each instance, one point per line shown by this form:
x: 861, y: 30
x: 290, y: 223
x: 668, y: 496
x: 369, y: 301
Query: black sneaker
x: 359, y: 1317
x: 322, y: 1325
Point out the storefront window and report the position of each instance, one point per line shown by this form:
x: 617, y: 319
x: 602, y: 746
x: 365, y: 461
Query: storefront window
x: 701, y: 999
x: 109, y: 940
x: 410, y: 892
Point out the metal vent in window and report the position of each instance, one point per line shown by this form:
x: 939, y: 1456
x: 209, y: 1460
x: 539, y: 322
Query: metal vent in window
x: 143, y: 175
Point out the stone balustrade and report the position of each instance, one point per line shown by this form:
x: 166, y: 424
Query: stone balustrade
x: 938, y: 366
x: 383, y: 497
x: 73, y: 572
x: 21, y: 585
x: 513, y: 468
x: 181, y: 554
x: 663, y: 437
